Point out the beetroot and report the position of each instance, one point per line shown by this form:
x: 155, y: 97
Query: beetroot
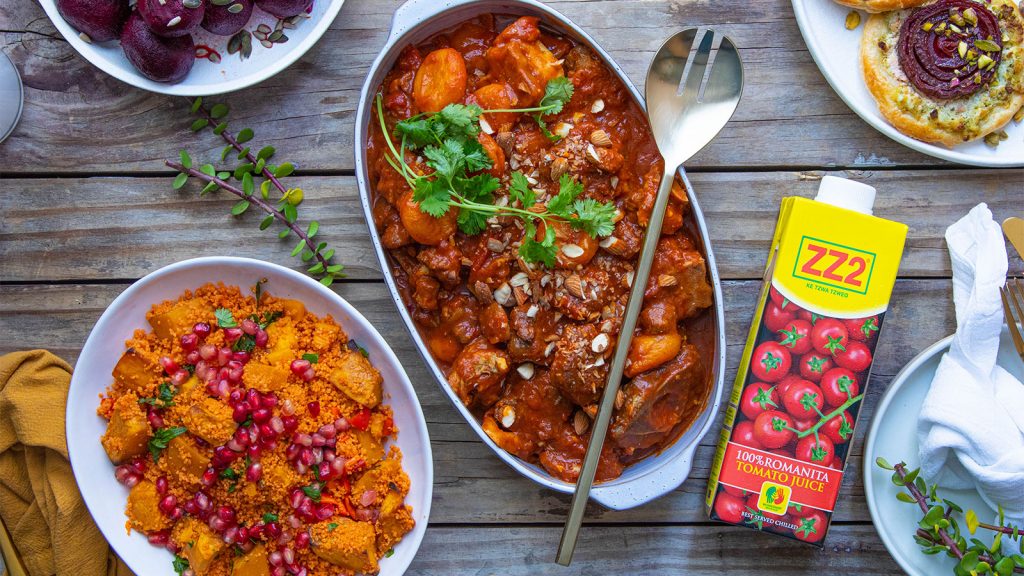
x: 155, y: 57
x: 172, y: 18
x: 284, y: 8
x: 100, y: 20
x: 227, y: 19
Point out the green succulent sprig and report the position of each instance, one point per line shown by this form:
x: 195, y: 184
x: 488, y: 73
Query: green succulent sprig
x: 254, y: 166
x: 940, y: 532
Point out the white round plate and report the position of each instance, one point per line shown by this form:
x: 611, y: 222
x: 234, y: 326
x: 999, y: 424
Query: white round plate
x: 893, y: 436
x: 206, y: 78
x: 106, y: 497
x: 836, y: 50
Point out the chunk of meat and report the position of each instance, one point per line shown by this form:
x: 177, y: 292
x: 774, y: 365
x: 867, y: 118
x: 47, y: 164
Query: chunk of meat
x: 357, y: 379
x: 441, y: 80
x: 496, y: 96
x: 577, y: 370
x: 563, y: 456
x: 494, y: 323
x: 680, y: 275
x: 478, y: 372
x: 519, y: 59
x: 443, y: 260
x: 659, y: 402
x: 528, y: 415
x: 472, y: 39
x: 127, y: 432
x: 531, y: 334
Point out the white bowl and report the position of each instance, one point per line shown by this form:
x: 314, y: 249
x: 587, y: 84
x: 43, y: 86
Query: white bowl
x: 207, y: 78
x: 836, y: 50
x: 94, y: 473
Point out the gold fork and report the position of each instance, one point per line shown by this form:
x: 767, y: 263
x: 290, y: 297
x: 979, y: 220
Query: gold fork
x: 1013, y: 293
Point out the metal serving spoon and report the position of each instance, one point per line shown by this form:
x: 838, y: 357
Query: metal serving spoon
x: 693, y: 87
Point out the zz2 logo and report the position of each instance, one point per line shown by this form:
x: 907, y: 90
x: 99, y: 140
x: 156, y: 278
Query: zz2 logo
x: 834, y: 265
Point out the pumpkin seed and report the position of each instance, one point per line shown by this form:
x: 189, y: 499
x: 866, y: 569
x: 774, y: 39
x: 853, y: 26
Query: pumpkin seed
x: 852, y: 20
x: 235, y: 8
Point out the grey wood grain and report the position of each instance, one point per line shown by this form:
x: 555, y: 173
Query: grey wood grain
x: 87, y: 229
x: 80, y: 120
x: 59, y: 317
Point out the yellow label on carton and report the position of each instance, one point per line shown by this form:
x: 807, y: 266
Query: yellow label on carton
x: 836, y: 260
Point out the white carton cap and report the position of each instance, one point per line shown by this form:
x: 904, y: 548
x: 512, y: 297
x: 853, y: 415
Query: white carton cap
x: 846, y: 194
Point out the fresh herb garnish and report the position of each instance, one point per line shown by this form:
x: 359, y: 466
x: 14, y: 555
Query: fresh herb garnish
x: 557, y: 94
x: 332, y: 526
x: 225, y: 319
x: 389, y: 553
x: 270, y: 517
x: 190, y: 368
x: 254, y: 166
x: 311, y: 358
x: 313, y: 491
x: 164, y: 397
x: 158, y: 443
x: 179, y: 564
x: 247, y: 342
x: 229, y: 474
x: 448, y: 142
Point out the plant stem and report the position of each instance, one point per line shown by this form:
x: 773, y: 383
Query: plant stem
x: 1003, y: 529
x: 230, y: 139
x: 258, y: 201
x: 838, y: 411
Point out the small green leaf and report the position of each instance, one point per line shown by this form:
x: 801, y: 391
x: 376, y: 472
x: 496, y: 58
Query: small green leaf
x: 245, y: 135
x: 284, y: 170
x: 180, y: 180
x: 911, y: 476
x: 298, y: 247
x: 334, y: 268
x: 260, y: 164
x: 265, y: 189
x: 311, y: 358
x: 220, y: 128
x: 247, y: 184
x: 219, y: 111
x: 904, y: 497
x: 225, y: 319
x: 307, y: 256
x: 209, y: 170
x: 210, y: 187
x: 266, y: 222
x: 186, y: 160
x: 311, y: 231
x: 239, y: 208
x: 265, y: 153
x: 328, y: 254
x: 327, y: 280
x: 284, y: 233
x: 316, y: 268
x: 243, y: 153
x: 896, y: 479
x: 224, y: 153
x: 1004, y: 567
x: 242, y: 169
x: 196, y: 104
x: 290, y: 212
x: 199, y: 124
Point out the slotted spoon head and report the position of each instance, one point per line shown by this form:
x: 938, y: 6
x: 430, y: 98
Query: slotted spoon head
x: 694, y: 85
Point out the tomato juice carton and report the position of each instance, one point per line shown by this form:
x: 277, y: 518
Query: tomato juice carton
x: 794, y: 406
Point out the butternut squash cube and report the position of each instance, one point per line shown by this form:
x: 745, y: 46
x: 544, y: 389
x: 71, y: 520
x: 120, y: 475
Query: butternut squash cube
x: 185, y: 458
x: 358, y: 379
x: 199, y: 545
x: 253, y: 563
x: 143, y: 510
x: 264, y: 377
x: 132, y: 370
x: 293, y: 309
x: 179, y: 319
x: 210, y: 419
x: 128, y: 430
x: 346, y: 543
x: 283, y: 343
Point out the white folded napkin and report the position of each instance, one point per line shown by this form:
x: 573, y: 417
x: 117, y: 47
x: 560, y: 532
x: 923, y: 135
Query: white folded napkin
x: 971, y: 427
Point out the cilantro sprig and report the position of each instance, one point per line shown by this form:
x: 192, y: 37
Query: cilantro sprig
x: 448, y: 142
x: 557, y: 94
x: 161, y: 438
x: 164, y: 397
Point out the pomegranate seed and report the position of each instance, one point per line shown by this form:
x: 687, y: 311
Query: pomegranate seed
x: 191, y: 507
x: 224, y: 355
x: 254, y: 451
x: 209, y: 477
x: 301, y: 469
x: 243, y: 533
x: 256, y: 530
x: 159, y: 538
x: 202, y: 500
x: 161, y: 485
x: 266, y: 432
x: 207, y: 351
x: 288, y: 555
x: 240, y: 413
x: 278, y: 571
x: 236, y: 396
x: 302, y: 572
x: 155, y: 420
x: 226, y: 513
x: 217, y: 524
x: 250, y: 327
x: 132, y: 480
x: 302, y: 540
x: 121, y: 473
x: 192, y: 357
x: 261, y: 415
x: 202, y: 329
x: 254, y: 472
x: 338, y: 465
x: 342, y: 425
x: 285, y: 538
x: 273, y: 529
x: 304, y: 439
x: 318, y: 440
x: 169, y: 365
x: 275, y: 558
x: 254, y: 434
x: 253, y: 397
x: 167, y: 504
x: 313, y: 408
x: 269, y: 400
x: 329, y: 455
x: 223, y: 388
x: 179, y: 377
x: 324, y: 512
x: 175, y: 514
x: 138, y: 466
x: 290, y: 424
x: 261, y: 338
x: 306, y: 508
x: 318, y: 455
x: 328, y: 431
x: 234, y: 372
x: 241, y: 356
x: 277, y: 424
x: 324, y: 470
x: 232, y: 334
x: 296, y: 498
x: 300, y: 366
x: 189, y: 342
x: 294, y: 522
x: 308, y: 375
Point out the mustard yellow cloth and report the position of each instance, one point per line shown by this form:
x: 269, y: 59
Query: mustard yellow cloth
x: 39, y: 500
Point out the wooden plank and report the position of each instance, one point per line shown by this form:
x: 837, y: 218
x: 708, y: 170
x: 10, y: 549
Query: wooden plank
x: 86, y: 229
x: 79, y: 120
x: 636, y: 550
x: 59, y: 317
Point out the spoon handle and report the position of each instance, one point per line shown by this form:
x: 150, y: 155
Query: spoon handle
x: 599, y: 430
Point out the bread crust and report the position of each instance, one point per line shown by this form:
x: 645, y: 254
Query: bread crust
x: 946, y: 122
x: 876, y: 6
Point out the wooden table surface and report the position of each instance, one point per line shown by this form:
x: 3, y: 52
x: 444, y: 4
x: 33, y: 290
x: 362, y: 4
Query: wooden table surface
x: 86, y: 208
